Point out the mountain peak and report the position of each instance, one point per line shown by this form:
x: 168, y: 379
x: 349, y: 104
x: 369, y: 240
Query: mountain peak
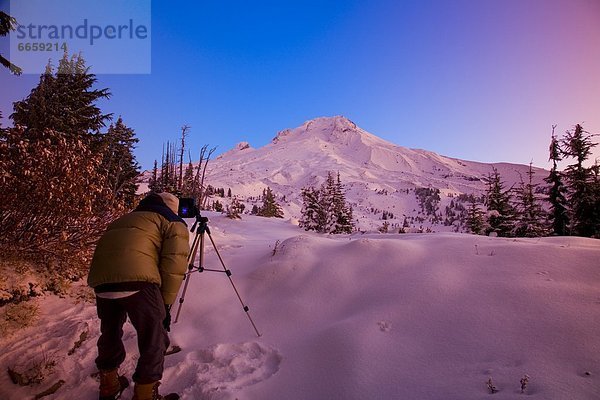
x: 328, y: 128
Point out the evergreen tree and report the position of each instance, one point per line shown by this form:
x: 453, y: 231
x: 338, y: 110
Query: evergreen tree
x: 498, y: 202
x: 270, y: 207
x: 313, y: 216
x: 234, y: 209
x: 330, y: 201
x: 475, y: 218
x: 56, y: 168
x: 531, y: 216
x: 168, y: 173
x: 64, y: 102
x: 7, y: 24
x: 558, y: 216
x: 154, y: 183
x: 187, y: 189
x: 342, y: 211
x: 581, y: 197
x: 325, y: 210
x: 119, y: 164
x: 596, y: 193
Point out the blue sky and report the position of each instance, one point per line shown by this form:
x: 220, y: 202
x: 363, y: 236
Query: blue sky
x: 481, y: 80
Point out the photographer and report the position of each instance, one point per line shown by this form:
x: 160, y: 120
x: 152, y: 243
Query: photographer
x: 136, y: 271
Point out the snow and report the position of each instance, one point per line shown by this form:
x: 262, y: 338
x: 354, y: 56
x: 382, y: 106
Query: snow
x: 373, y: 316
x: 302, y: 156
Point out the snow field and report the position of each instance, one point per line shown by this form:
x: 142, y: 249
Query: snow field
x: 374, y: 316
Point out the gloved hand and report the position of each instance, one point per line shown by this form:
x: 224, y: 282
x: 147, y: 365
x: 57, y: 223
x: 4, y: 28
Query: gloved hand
x: 167, y: 320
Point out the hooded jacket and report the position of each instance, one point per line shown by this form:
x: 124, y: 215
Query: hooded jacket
x: 150, y: 245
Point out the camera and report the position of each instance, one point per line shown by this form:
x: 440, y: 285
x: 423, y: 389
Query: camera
x: 188, y: 208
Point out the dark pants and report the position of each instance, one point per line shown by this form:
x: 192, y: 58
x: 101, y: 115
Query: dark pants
x: 146, y: 311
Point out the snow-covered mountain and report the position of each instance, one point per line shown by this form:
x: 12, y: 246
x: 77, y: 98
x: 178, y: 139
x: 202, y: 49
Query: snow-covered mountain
x: 378, y: 175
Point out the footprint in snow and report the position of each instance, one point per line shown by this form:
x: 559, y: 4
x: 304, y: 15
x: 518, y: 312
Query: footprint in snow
x: 227, y: 367
x: 384, y: 326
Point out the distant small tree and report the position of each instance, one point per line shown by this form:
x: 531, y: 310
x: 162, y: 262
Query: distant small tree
x: 501, y: 214
x: 531, y: 217
x: 475, y: 220
x: 270, y: 207
x: 325, y: 210
x: 384, y: 228
x: 234, y: 210
x: 154, y: 183
x: 313, y: 216
x: 338, y: 214
x: 187, y: 185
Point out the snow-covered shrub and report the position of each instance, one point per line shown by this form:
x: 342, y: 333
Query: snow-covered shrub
x: 21, y: 279
x: 36, y: 371
x: 17, y: 316
x: 524, y: 383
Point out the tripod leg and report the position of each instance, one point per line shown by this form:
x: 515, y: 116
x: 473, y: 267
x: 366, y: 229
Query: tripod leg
x: 228, y: 273
x: 193, y: 253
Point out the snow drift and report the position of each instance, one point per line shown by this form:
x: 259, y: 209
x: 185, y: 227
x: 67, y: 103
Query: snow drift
x: 357, y: 317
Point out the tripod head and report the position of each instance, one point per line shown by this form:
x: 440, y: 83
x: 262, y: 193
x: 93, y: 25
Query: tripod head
x: 200, y: 225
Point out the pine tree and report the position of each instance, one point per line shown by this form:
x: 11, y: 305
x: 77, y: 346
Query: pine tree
x: 7, y: 24
x: 596, y: 193
x: 187, y: 188
x: 343, y: 212
x: 330, y: 202
x: 558, y: 215
x: 581, y: 197
x: 270, y: 207
x: 325, y: 210
x: 475, y: 218
x: 313, y: 217
x: 234, y: 209
x: 64, y: 102
x: 498, y: 202
x: 154, y: 183
x: 531, y: 217
x: 56, y: 167
x: 119, y: 164
x: 168, y: 174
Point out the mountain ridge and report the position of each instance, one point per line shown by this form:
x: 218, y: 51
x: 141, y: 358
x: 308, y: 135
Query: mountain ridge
x: 378, y: 175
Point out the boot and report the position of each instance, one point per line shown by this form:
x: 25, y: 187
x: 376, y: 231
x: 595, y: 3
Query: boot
x: 149, y: 391
x: 111, y: 384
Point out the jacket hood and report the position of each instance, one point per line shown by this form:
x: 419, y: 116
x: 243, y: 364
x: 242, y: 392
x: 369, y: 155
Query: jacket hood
x: 155, y: 203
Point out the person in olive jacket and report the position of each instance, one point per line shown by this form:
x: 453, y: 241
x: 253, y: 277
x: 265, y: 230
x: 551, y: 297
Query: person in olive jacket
x: 136, y: 271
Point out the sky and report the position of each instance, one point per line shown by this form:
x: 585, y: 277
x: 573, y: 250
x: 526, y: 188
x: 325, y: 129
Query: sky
x: 476, y: 80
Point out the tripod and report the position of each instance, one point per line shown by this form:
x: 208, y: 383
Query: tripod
x: 200, y: 227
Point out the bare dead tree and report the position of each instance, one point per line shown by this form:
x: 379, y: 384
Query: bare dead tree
x: 199, y: 187
x: 184, y: 133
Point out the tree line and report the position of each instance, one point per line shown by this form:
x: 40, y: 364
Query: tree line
x: 572, y: 195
